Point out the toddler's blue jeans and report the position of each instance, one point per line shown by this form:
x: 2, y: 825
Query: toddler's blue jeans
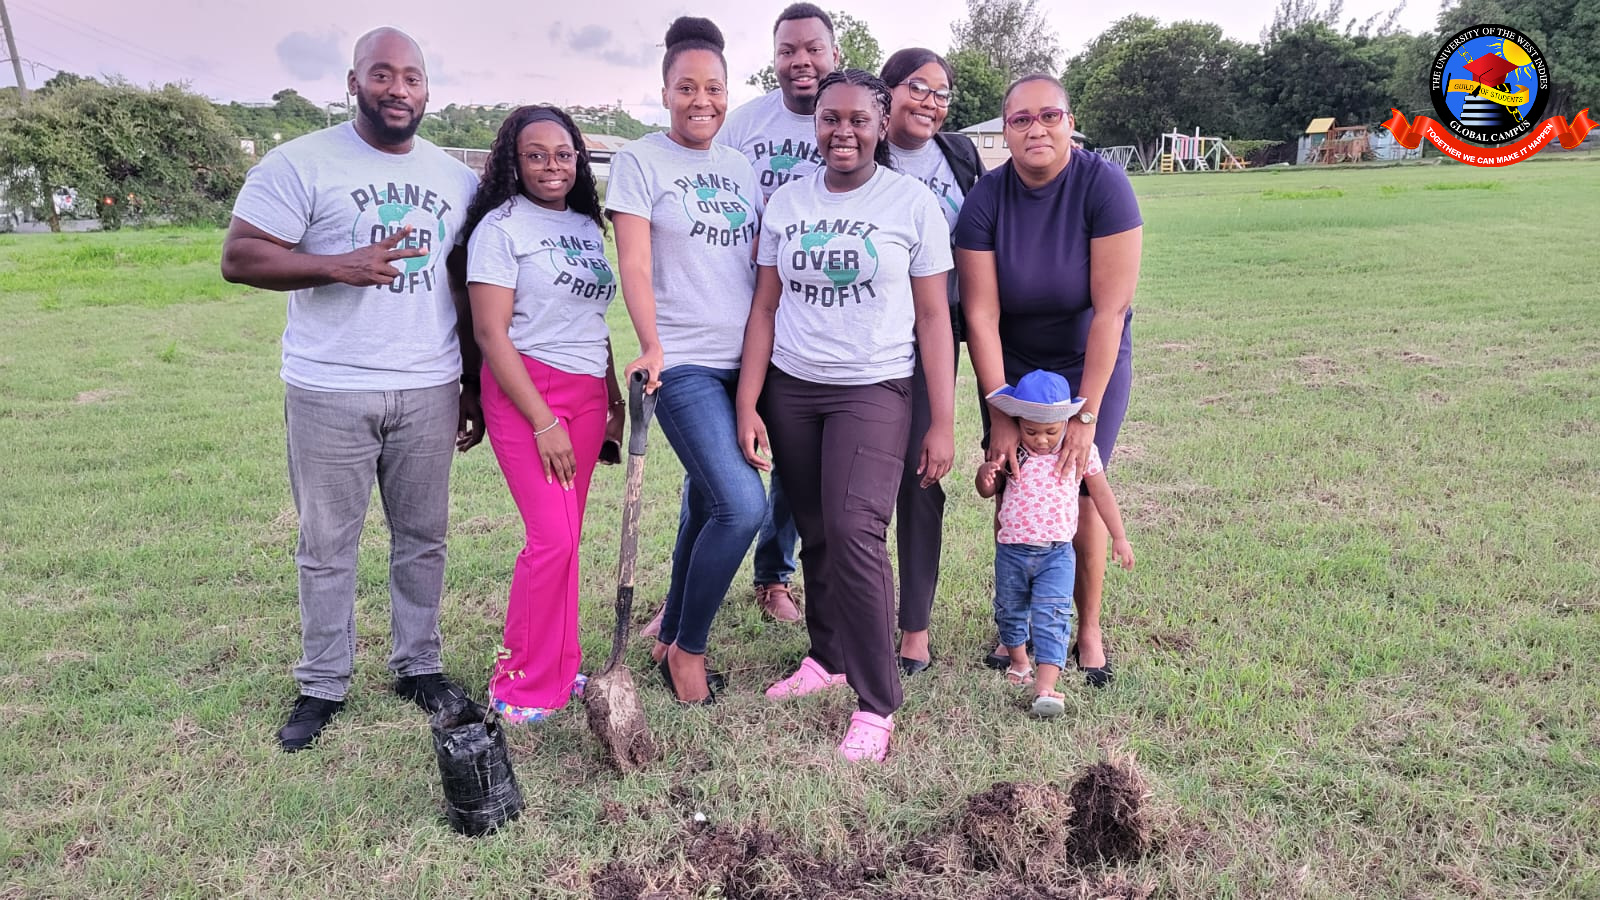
x: 1033, y: 592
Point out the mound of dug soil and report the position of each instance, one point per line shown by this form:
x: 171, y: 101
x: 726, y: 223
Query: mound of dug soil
x: 749, y: 865
x: 1012, y: 841
x: 1017, y: 828
x: 1108, y: 821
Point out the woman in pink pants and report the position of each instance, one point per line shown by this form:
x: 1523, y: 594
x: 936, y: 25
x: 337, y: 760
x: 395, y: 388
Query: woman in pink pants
x: 540, y: 283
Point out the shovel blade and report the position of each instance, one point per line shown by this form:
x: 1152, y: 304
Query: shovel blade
x: 617, y: 720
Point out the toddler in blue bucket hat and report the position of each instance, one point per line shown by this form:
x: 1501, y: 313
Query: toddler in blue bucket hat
x: 1034, y: 562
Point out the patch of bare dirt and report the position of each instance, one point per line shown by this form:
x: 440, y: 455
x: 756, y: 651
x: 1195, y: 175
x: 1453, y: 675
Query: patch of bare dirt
x: 98, y: 395
x: 1419, y: 359
x: 753, y: 865
x: 1130, y: 452
x: 81, y: 849
x: 485, y: 524
x: 1316, y: 365
x: 1172, y: 641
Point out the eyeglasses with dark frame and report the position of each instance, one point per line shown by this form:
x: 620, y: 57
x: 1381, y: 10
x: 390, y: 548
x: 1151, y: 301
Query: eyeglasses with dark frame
x: 539, y: 157
x: 1049, y: 117
x: 919, y: 92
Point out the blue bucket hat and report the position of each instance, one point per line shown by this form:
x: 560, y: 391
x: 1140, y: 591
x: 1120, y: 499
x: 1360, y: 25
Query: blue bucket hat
x: 1039, y: 396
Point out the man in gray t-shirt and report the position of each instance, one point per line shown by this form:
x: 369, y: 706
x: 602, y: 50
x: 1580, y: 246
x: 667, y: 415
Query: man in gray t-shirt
x: 776, y: 131
x: 361, y: 223
x: 777, y: 134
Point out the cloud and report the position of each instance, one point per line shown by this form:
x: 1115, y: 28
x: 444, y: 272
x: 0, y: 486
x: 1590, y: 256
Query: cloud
x: 640, y: 57
x: 589, y: 37
x: 600, y: 42
x: 311, y: 57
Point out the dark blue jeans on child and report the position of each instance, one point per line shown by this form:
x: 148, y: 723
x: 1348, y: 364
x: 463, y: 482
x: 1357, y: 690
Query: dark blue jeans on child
x: 1033, y: 595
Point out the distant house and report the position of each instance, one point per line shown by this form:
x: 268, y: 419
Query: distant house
x: 990, y: 140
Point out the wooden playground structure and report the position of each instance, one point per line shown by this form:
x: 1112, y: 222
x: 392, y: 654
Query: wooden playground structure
x: 1179, y: 153
x: 1194, y: 153
x: 1348, y: 144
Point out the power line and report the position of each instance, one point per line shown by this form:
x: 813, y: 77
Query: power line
x: 16, y: 58
x: 116, y: 42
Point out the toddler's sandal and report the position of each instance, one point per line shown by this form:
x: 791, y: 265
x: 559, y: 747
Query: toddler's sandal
x: 1019, y: 677
x: 1049, y: 706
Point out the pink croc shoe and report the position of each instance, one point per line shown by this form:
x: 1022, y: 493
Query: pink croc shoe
x: 868, y: 738
x: 808, y: 679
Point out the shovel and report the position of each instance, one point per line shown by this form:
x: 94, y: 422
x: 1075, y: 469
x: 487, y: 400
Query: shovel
x: 610, y: 699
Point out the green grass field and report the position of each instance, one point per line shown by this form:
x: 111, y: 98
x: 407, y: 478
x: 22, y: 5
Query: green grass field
x: 1358, y: 658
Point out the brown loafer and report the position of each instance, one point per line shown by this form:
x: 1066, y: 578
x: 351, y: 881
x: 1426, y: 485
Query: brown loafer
x: 776, y: 601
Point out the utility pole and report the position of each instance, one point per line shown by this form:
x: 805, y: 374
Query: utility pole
x: 11, y: 47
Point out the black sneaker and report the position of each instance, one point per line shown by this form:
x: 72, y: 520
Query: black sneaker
x: 310, y: 716
x: 432, y: 692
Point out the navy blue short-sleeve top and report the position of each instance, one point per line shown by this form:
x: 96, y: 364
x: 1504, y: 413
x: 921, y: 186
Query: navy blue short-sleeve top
x: 1040, y: 239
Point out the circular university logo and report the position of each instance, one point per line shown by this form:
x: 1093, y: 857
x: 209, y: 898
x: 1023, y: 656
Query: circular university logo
x: 1489, y: 85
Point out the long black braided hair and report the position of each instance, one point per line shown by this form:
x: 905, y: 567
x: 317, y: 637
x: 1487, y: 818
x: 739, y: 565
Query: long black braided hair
x: 501, y: 174
x: 880, y: 94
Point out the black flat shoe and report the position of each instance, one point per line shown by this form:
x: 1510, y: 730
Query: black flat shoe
x: 999, y: 661
x: 909, y: 666
x: 1093, y: 676
x: 715, y: 681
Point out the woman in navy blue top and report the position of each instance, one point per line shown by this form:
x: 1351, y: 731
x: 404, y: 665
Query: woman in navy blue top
x: 1047, y: 249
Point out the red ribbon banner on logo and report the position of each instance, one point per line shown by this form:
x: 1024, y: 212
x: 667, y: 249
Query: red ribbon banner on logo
x: 1410, y: 135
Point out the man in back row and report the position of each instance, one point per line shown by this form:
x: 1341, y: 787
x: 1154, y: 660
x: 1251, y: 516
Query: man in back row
x: 778, y: 134
x: 357, y: 222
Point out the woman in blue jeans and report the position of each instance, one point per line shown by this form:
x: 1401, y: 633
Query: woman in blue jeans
x: 686, y: 212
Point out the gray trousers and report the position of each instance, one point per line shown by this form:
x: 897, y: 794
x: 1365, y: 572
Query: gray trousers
x: 338, y: 443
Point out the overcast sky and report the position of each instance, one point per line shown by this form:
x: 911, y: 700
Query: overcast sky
x: 493, y: 51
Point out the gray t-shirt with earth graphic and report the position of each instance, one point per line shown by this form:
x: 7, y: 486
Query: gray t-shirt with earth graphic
x: 705, y: 212
x: 330, y: 192
x: 846, y: 260
x: 556, y: 263
x: 781, y: 145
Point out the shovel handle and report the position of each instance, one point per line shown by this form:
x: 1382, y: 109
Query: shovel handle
x: 641, y: 407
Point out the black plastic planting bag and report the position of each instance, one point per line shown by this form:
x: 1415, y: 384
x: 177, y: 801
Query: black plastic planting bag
x: 480, y: 790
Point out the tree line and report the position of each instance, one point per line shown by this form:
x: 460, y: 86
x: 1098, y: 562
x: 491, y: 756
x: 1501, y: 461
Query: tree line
x: 1140, y: 78
x: 135, y: 153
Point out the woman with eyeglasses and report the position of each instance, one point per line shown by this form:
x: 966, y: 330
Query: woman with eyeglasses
x: 1047, y: 250
x: 539, y: 283
x: 687, y: 213
x: 921, y: 84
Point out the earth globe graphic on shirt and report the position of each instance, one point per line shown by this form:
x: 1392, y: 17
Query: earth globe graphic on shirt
x: 385, y: 219
x: 561, y: 260
x: 783, y: 162
x: 847, y: 258
x: 716, y: 208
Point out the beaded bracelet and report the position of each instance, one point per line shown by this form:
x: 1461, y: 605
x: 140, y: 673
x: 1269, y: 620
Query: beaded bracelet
x: 553, y: 423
